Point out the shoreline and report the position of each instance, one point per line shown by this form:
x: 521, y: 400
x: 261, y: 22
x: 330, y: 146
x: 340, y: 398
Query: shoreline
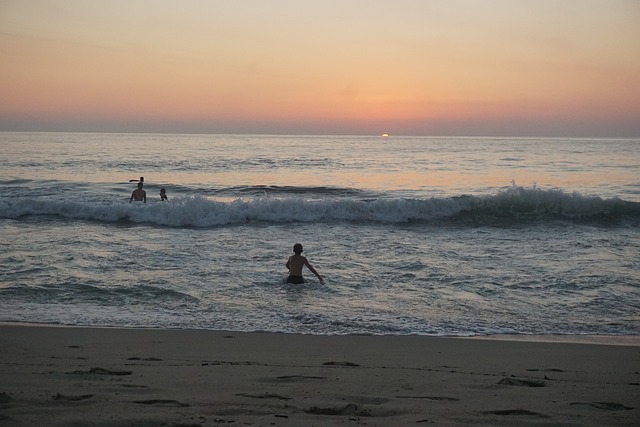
x: 81, y: 376
x: 621, y: 340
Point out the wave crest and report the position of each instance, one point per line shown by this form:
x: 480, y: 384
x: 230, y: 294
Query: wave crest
x: 515, y: 204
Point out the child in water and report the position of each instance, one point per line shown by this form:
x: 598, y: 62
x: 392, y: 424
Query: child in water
x: 295, y: 264
x: 163, y: 195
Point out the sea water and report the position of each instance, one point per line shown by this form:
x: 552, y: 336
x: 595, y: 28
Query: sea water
x: 413, y: 235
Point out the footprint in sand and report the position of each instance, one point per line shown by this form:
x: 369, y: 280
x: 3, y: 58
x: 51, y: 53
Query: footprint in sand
x: 350, y: 409
x: 100, y: 371
x: 146, y: 359
x: 442, y: 398
x: 521, y: 383
x: 608, y: 406
x: 349, y: 364
x: 161, y: 402
x: 264, y: 396
x: 516, y: 412
x: 299, y: 377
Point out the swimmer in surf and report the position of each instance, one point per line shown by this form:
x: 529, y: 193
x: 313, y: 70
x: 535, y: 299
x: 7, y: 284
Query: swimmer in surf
x: 141, y: 180
x: 163, y: 195
x: 139, y: 195
x: 295, y: 264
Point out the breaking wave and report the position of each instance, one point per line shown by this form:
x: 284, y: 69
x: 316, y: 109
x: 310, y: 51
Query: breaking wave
x: 511, y: 206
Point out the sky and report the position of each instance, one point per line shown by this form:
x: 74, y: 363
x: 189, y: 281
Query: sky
x: 557, y: 68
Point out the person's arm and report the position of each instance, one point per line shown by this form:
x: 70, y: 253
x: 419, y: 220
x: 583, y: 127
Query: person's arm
x: 288, y: 262
x: 313, y: 270
x: 131, y: 199
x: 144, y: 197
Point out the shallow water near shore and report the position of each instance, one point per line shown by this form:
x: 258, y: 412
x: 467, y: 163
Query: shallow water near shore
x: 431, y: 236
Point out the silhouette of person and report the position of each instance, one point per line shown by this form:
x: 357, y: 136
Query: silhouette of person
x: 295, y: 263
x: 141, y: 180
x: 139, y: 195
x: 163, y: 195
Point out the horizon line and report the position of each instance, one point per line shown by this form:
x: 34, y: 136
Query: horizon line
x: 355, y: 135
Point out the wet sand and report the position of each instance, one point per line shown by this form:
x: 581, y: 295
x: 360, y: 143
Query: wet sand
x: 68, y: 376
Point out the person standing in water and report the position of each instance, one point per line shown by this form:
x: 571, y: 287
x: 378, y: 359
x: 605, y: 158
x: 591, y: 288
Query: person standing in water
x: 163, y: 195
x: 295, y: 264
x: 139, y: 195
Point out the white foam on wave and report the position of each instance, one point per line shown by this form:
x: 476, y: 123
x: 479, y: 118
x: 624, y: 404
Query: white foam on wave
x: 513, y: 204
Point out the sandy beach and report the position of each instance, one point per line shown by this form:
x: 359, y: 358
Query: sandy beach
x: 72, y: 376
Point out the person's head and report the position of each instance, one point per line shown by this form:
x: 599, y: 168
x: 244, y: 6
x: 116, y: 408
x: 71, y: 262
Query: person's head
x: 142, y: 179
x: 140, y: 185
x: 162, y: 191
x: 297, y: 248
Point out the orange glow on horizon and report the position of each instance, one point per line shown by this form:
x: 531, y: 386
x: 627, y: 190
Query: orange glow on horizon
x: 218, y: 64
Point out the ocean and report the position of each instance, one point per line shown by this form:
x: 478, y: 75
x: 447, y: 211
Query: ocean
x: 413, y: 235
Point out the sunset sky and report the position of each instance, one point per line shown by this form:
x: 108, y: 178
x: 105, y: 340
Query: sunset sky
x: 404, y: 67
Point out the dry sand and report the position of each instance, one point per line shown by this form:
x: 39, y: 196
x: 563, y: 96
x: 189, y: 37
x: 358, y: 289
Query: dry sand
x: 59, y: 376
